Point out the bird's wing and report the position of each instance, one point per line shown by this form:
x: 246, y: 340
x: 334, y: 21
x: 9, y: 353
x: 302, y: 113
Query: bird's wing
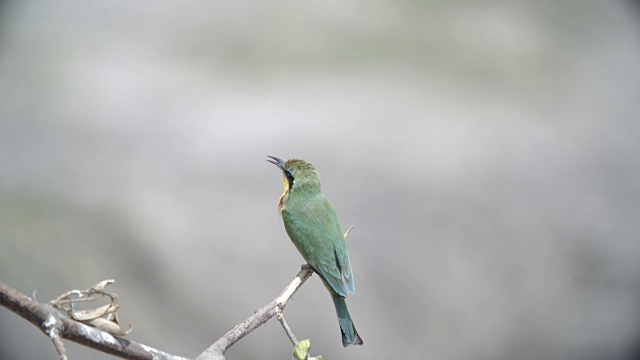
x: 314, y: 229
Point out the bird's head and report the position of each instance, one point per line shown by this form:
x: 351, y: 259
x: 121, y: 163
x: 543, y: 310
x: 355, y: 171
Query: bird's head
x: 297, y: 174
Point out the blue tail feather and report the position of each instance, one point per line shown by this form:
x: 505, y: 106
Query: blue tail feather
x: 349, y: 334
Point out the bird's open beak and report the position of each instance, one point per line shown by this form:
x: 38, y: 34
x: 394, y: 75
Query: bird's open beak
x: 277, y: 162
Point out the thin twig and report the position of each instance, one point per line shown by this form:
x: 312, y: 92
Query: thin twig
x: 51, y: 329
x: 285, y: 326
x: 346, y: 233
x: 261, y: 316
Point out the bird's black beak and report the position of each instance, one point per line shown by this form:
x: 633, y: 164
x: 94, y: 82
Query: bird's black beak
x: 277, y: 162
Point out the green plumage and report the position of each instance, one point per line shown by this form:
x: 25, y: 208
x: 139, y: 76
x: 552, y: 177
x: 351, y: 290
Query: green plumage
x: 313, y: 227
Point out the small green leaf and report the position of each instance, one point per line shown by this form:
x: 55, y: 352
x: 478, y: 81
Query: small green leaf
x: 301, y: 350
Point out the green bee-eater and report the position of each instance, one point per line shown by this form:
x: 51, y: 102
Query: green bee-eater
x: 313, y: 227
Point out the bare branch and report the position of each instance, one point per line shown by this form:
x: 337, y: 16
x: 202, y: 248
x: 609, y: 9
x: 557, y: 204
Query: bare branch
x: 57, y: 325
x: 261, y: 316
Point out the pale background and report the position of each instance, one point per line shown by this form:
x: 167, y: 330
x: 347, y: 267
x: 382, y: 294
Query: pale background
x: 486, y: 151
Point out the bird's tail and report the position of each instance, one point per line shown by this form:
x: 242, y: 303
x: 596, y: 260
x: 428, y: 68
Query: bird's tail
x: 349, y: 334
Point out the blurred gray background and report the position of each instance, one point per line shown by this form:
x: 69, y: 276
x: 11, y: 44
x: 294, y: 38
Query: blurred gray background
x: 486, y: 151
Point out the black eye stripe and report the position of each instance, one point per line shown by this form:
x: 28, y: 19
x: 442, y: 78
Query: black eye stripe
x: 287, y: 172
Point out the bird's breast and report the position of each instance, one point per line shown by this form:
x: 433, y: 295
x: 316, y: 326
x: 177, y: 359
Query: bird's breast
x: 283, y: 199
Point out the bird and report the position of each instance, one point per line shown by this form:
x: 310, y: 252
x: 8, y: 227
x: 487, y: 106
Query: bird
x: 313, y: 227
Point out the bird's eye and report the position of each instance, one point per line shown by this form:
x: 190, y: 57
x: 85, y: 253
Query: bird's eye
x: 289, y: 176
